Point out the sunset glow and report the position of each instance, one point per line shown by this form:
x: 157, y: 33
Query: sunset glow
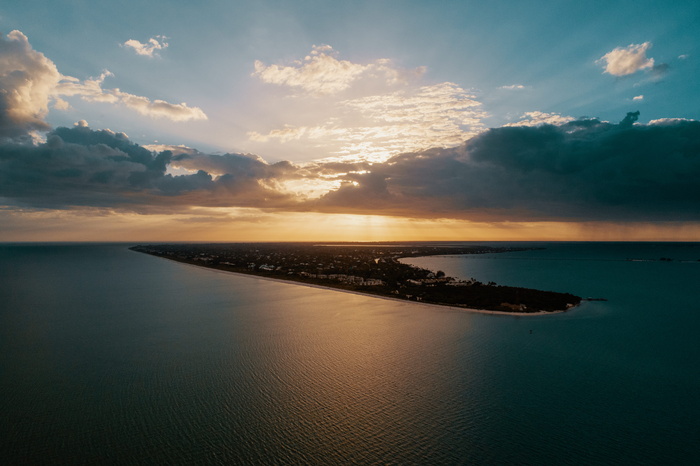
x: 260, y: 122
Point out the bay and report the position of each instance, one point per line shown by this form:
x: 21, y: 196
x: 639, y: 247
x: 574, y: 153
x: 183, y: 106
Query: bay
x: 111, y: 356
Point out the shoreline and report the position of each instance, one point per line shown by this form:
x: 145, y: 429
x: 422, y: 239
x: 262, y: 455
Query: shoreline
x: 435, y: 306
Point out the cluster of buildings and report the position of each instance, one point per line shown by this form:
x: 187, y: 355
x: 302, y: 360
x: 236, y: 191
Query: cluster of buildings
x: 349, y: 266
x: 343, y: 278
x: 355, y: 265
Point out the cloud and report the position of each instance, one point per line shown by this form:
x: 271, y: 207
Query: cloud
x: 541, y: 118
x: 60, y: 104
x: 27, y: 82
x: 321, y: 73
x: 78, y: 167
x: 513, y: 87
x: 638, y: 97
x: 583, y: 170
x: 379, y: 126
x: 91, y: 90
x: 381, y: 111
x: 292, y: 133
x: 150, y: 48
x: 623, y: 61
x: 400, y: 145
x: 669, y: 121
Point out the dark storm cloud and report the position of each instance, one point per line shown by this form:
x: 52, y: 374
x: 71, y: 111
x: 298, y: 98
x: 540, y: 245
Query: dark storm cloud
x: 81, y: 167
x: 582, y: 170
x: 236, y: 165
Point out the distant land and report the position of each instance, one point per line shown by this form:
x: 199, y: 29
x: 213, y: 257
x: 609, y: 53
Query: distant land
x: 368, y: 268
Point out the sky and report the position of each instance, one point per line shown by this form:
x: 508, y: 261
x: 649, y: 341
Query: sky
x: 360, y: 121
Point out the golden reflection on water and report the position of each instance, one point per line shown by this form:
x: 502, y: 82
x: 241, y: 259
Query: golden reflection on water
x: 349, y: 365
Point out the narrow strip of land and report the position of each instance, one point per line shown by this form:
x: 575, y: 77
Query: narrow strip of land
x: 369, y: 270
x: 441, y: 307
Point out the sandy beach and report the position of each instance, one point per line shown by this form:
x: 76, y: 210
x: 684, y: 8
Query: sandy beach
x: 433, y: 306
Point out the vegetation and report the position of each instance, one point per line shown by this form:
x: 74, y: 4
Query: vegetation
x: 369, y: 268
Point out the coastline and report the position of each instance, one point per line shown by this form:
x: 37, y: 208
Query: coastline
x: 435, y: 306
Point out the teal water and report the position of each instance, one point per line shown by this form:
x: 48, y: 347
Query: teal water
x: 111, y: 356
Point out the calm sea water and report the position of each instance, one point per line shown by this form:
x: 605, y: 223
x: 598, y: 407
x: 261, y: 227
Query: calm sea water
x: 111, y: 356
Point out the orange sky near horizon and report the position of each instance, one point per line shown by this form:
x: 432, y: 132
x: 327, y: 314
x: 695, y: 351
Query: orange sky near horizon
x: 252, y: 225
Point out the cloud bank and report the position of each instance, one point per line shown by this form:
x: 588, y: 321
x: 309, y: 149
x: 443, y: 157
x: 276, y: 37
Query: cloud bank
x: 81, y: 167
x: 581, y: 170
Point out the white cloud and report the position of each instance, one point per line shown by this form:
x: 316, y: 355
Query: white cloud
x: 513, y: 87
x: 638, y: 97
x: 321, y: 73
x: 159, y: 108
x: 378, y: 126
x: 150, y: 48
x: 91, y: 90
x: 383, y: 110
x: 668, y: 121
x: 60, y: 104
x: 27, y: 80
x: 292, y: 133
x: 683, y: 57
x: 623, y: 61
x: 541, y: 118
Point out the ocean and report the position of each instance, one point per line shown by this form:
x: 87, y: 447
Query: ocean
x: 111, y: 356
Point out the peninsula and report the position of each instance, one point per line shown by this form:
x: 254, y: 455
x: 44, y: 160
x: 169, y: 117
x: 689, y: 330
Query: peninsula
x: 368, y: 268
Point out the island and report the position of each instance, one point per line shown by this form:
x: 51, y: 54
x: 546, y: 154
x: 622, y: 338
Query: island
x: 368, y: 268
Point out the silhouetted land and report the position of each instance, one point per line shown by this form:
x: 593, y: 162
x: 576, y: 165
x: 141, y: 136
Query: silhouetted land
x: 370, y: 268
